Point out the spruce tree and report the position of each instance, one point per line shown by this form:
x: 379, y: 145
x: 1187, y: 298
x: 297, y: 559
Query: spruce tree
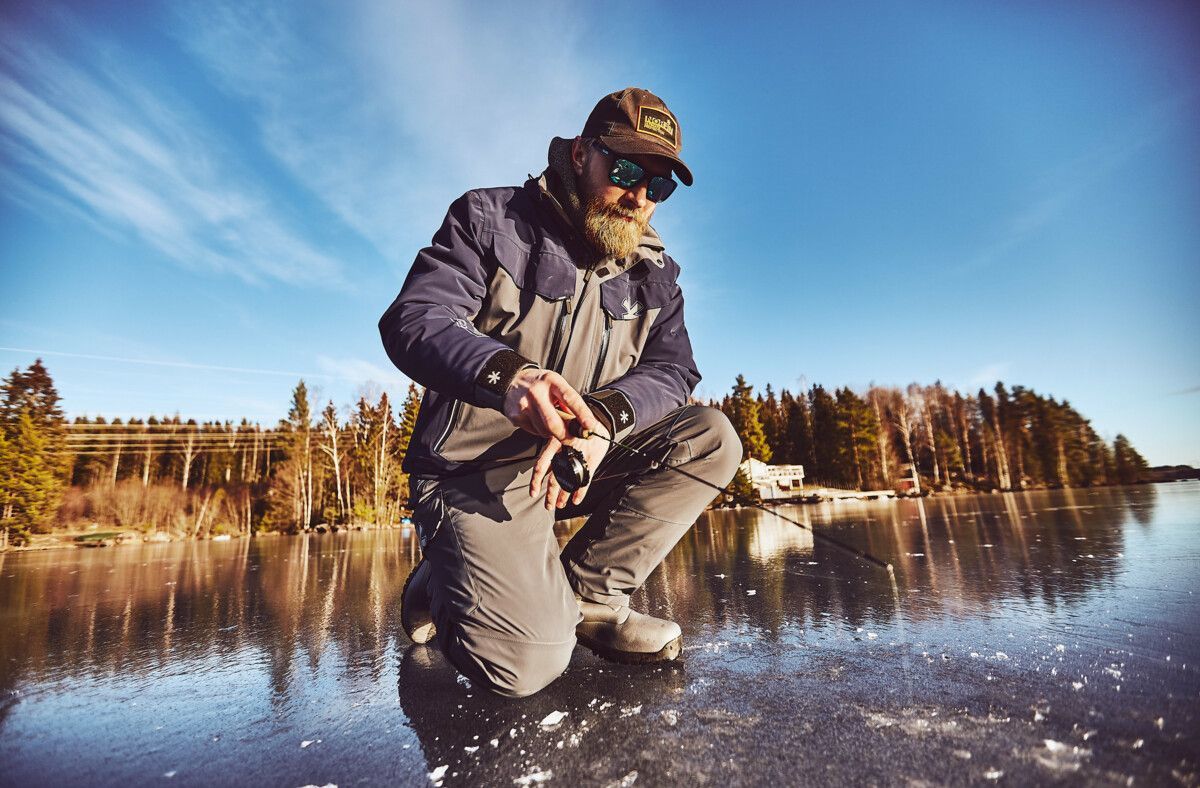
x: 33, y: 456
x: 1130, y: 466
x: 743, y: 410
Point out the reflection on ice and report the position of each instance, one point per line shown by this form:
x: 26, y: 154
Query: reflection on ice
x: 1070, y: 614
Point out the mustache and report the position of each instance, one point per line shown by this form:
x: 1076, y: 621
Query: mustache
x: 617, y: 211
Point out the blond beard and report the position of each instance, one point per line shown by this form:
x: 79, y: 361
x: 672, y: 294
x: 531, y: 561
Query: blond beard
x: 607, y: 230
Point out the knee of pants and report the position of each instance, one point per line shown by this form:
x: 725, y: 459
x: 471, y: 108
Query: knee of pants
x: 717, y: 442
x: 506, y: 665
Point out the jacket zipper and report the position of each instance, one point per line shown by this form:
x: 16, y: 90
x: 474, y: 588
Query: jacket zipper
x: 437, y: 446
x: 603, y: 352
x: 560, y: 326
x: 570, y: 308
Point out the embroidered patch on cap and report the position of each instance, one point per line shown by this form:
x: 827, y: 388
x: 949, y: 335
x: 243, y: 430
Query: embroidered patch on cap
x: 659, y: 124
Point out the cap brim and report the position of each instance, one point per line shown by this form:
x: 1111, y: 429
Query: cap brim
x: 638, y: 144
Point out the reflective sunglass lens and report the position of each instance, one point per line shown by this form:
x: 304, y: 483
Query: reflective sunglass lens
x: 625, y: 173
x: 659, y: 188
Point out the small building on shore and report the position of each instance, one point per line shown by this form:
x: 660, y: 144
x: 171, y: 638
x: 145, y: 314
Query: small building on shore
x: 774, y: 482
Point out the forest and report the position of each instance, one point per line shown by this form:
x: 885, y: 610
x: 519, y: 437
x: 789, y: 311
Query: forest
x: 321, y: 466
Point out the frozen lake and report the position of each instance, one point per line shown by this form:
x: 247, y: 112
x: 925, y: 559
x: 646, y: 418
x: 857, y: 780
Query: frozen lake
x: 1040, y: 637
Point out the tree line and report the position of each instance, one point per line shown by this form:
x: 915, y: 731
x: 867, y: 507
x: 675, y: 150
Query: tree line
x: 928, y: 438
x: 183, y: 477
x: 189, y: 478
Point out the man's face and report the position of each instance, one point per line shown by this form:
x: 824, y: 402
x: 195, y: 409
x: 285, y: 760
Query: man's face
x: 615, y: 218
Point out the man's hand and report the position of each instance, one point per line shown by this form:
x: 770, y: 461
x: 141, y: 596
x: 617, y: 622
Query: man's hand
x: 533, y: 400
x: 593, y: 449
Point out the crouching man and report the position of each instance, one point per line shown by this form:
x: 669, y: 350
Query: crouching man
x: 538, y: 314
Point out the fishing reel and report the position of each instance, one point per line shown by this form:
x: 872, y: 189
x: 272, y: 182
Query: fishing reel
x: 570, y: 469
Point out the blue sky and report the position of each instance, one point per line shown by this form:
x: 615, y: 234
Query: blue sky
x: 202, y: 202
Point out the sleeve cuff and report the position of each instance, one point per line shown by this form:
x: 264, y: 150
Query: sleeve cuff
x: 493, y: 380
x: 614, y: 410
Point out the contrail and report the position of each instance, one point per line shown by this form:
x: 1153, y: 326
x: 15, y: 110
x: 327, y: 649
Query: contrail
x: 181, y: 364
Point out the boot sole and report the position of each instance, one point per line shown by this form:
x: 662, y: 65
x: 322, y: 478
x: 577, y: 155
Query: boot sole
x: 664, y: 654
x: 420, y: 632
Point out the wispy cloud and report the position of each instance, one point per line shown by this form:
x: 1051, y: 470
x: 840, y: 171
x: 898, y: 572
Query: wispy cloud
x: 349, y: 371
x: 360, y: 371
x: 385, y: 111
x: 81, y: 130
x: 1064, y: 186
x: 988, y: 374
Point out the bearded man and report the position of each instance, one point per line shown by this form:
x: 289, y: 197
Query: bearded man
x: 540, y: 314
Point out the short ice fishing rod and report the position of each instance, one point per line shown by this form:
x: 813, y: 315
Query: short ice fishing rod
x: 571, y: 472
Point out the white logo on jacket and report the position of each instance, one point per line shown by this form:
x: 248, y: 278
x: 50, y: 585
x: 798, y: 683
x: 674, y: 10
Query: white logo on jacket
x: 632, y: 309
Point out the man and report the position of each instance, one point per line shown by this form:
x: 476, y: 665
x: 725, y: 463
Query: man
x: 540, y: 314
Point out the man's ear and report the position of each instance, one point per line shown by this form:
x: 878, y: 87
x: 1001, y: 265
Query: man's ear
x: 578, y: 154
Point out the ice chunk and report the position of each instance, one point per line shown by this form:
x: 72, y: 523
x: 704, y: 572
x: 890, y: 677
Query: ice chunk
x: 993, y: 774
x: 534, y: 777
x: 751, y: 592
x: 437, y: 775
x: 553, y: 718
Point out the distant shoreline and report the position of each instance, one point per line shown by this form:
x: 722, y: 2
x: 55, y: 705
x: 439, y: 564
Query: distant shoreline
x: 102, y: 539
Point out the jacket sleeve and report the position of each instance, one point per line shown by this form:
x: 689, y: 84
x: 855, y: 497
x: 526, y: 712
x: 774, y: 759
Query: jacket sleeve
x: 660, y: 382
x: 428, y: 330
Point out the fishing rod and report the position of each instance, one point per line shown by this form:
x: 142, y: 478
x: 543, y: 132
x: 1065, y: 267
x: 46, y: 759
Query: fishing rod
x: 571, y: 471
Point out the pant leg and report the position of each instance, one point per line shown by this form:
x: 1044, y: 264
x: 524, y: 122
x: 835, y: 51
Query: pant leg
x: 638, y: 513
x: 504, y: 612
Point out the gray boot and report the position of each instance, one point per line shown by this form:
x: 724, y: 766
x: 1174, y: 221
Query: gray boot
x: 415, y: 616
x: 625, y: 635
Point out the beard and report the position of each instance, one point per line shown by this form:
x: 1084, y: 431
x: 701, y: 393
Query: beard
x: 608, y: 228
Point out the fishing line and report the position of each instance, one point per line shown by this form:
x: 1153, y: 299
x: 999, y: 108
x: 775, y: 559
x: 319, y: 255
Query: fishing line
x: 571, y: 471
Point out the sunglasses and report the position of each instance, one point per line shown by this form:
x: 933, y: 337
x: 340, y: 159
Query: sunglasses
x: 626, y: 174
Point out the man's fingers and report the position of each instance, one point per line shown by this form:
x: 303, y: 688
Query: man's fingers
x: 542, y: 466
x: 552, y: 491
x: 573, y: 401
x: 543, y: 414
x: 578, y: 496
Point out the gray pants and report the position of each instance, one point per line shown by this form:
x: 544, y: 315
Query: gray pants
x: 503, y: 597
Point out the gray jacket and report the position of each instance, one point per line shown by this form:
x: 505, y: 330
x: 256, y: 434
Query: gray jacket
x: 506, y: 283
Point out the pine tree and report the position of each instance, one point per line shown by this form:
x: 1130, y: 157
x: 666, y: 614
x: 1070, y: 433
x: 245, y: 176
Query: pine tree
x: 824, y: 436
x: 33, y: 455
x: 743, y: 411
x: 1130, y: 466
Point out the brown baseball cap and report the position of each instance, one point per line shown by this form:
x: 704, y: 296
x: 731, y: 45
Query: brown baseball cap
x: 635, y: 121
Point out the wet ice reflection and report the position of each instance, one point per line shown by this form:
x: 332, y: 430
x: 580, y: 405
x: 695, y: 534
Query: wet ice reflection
x: 1064, y: 616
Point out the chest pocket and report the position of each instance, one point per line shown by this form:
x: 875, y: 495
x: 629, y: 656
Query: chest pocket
x: 526, y: 297
x: 631, y: 305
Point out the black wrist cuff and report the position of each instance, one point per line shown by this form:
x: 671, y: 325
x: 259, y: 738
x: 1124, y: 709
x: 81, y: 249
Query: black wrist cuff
x: 614, y: 410
x: 497, y: 374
